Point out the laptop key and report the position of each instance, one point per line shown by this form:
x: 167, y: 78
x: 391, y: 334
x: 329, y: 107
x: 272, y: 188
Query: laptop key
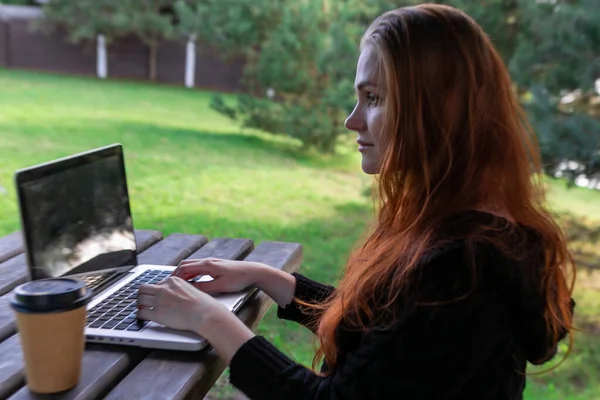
x: 110, y: 324
x: 96, y: 324
x: 135, y: 327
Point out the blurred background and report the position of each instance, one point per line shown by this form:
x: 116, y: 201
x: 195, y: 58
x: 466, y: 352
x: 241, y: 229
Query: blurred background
x: 231, y: 115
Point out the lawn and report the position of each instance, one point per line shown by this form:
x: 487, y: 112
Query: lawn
x: 191, y: 170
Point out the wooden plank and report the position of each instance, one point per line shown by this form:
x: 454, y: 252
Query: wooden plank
x: 10, y: 245
x: 229, y: 249
x: 172, y: 250
x: 174, y: 375
x: 144, y: 238
x: 13, y: 272
x: 104, y: 365
x: 11, y: 366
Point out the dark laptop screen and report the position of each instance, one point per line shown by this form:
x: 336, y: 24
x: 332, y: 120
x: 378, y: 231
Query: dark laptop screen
x: 76, y: 215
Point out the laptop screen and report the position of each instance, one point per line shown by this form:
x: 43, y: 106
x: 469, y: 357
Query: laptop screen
x: 75, y: 214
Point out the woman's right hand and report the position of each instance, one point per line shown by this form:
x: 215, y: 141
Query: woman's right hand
x: 234, y: 276
x: 227, y: 275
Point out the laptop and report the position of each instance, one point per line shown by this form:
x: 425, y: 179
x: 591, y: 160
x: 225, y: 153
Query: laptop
x: 76, y: 221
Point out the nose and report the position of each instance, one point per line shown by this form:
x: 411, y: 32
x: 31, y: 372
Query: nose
x: 356, y: 121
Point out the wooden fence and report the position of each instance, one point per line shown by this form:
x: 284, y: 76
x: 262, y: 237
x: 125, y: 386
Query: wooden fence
x: 22, y: 47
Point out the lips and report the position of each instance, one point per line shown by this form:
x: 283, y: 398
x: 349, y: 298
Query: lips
x: 363, y: 143
x: 363, y: 146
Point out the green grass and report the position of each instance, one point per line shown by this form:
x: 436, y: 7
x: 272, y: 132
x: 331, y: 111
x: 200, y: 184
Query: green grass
x: 191, y: 170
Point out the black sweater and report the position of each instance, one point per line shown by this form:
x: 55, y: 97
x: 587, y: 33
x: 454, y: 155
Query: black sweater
x: 475, y: 348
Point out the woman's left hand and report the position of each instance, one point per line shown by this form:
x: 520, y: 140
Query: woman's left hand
x: 177, y: 304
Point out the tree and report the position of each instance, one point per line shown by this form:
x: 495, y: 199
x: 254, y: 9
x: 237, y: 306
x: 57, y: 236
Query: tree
x: 152, y: 22
x: 300, y: 61
x: 552, y: 49
x: 149, y: 20
x: 237, y: 28
x: 557, y: 61
x: 19, y: 2
x: 307, y: 50
x: 85, y: 19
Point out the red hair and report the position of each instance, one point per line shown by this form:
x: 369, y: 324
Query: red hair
x: 457, y: 139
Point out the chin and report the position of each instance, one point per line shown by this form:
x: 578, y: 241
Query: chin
x: 370, y: 168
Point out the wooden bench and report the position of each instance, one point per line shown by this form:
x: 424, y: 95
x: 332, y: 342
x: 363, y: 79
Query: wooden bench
x: 120, y: 372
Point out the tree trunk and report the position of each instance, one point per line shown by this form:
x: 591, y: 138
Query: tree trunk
x: 152, y: 60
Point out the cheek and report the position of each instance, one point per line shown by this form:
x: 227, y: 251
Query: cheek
x: 375, y: 123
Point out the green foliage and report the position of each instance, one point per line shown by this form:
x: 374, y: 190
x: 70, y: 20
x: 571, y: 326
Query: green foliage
x: 558, y: 53
x: 303, y: 52
x: 308, y: 51
x: 307, y: 104
x: 234, y: 26
x: 552, y: 49
x: 85, y: 19
x: 19, y: 2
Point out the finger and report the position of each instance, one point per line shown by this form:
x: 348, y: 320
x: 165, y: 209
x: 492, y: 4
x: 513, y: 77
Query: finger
x: 194, y: 261
x: 181, y: 264
x: 147, y: 314
x: 190, y: 261
x: 146, y: 300
x: 149, y: 288
x: 185, y: 262
x: 192, y: 270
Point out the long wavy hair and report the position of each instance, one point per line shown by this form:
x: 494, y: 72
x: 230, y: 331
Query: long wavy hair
x: 457, y: 139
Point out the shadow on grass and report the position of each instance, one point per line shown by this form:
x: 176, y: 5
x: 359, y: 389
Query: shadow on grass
x: 327, y: 242
x: 86, y: 133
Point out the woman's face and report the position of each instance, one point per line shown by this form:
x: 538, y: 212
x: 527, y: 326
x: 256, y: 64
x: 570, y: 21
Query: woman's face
x: 367, y: 117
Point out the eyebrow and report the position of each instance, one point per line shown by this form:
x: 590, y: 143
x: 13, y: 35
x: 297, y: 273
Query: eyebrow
x: 360, y: 85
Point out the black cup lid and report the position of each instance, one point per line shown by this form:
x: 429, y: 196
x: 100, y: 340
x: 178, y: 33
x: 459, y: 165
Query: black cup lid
x: 50, y: 295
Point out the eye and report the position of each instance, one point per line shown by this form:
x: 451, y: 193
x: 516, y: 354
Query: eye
x: 372, y: 98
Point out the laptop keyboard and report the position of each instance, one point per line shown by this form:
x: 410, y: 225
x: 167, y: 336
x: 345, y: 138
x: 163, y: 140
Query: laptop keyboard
x: 119, y: 310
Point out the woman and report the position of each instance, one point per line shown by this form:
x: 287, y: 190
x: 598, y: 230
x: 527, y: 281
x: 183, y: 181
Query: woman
x: 464, y: 277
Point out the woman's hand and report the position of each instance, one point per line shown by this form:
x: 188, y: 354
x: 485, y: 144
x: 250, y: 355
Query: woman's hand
x: 228, y: 275
x: 177, y: 304
x: 233, y: 276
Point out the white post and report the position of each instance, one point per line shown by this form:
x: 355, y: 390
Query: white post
x: 101, y: 57
x: 190, y: 61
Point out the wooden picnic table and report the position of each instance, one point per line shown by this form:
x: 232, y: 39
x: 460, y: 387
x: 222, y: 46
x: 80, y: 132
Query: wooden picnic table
x: 122, y: 372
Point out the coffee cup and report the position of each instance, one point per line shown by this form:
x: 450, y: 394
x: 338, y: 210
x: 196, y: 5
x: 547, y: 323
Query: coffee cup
x: 51, y: 317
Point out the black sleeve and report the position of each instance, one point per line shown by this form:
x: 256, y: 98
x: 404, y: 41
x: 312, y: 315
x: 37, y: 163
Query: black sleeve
x: 428, y: 354
x: 306, y: 290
